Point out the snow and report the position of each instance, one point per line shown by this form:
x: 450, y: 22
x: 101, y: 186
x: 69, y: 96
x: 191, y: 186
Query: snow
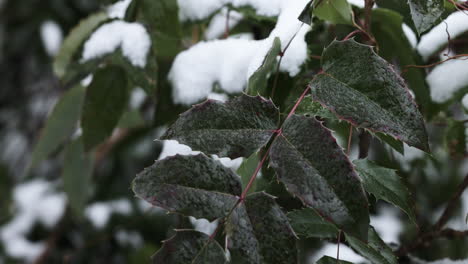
x: 440, y: 261
x: 172, y: 147
x: 132, y: 38
x: 118, y: 9
x: 456, y: 24
x: 358, y: 3
x: 230, y: 62
x: 346, y: 254
x: 87, y: 80
x: 201, y: 9
x: 35, y: 202
x: 387, y: 224
x: 465, y: 101
x: 217, y: 26
x: 137, y: 98
x: 410, y: 35
x: 129, y: 238
x: 99, y: 213
x: 447, y: 78
x: 51, y: 36
x: 203, y: 225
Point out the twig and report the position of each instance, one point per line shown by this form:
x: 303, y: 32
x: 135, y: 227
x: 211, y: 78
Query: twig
x: 226, y: 29
x: 350, y: 137
x: 338, y: 248
x: 436, y: 63
x: 423, y: 239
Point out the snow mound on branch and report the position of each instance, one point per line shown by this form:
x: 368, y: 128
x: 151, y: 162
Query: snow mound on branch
x: 217, y: 26
x: 231, y: 62
x: 465, y: 101
x: 448, y: 78
x: 51, y: 36
x: 201, y: 9
x: 456, y: 24
x: 132, y: 38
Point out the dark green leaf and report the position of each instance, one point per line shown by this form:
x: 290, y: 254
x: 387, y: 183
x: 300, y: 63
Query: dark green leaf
x: 425, y: 13
x: 105, y: 102
x: 306, y: 14
x: 74, y: 40
x: 364, y: 89
x: 163, y: 19
x: 60, y: 124
x: 190, y: 185
x: 189, y: 246
x: 392, y: 142
x: 314, y: 168
x: 334, y: 11
x: 234, y: 129
x: 247, y: 169
x: 455, y: 139
x: 375, y: 250
x: 395, y: 46
x: 76, y: 175
x: 131, y: 119
x: 400, y: 7
x: 258, y: 81
x: 259, y: 232
x: 308, y: 223
x: 385, y: 184
x: 330, y: 260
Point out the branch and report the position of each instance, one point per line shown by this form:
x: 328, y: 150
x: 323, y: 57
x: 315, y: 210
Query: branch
x: 424, y: 239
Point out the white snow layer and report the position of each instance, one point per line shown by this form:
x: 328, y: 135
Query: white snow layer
x: 201, y: 9
x: 346, y: 254
x: 217, y: 26
x: 51, y: 36
x: 387, y: 224
x: 456, y: 24
x: 203, y: 225
x: 118, y: 9
x: 35, y: 202
x: 448, y: 78
x: 465, y: 101
x: 231, y: 62
x: 99, y: 213
x: 410, y: 35
x: 132, y: 38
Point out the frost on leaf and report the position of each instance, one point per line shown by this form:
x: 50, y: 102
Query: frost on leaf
x: 314, y: 168
x: 257, y: 229
x: 362, y: 88
x: 233, y: 129
x: 190, y: 185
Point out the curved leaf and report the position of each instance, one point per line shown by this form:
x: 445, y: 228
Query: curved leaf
x: 363, y: 88
x: 234, y: 129
x: 257, y: 229
x: 105, y: 102
x: 306, y: 222
x: 334, y: 11
x: 60, y: 124
x: 258, y: 81
x: 74, y: 40
x: 313, y: 167
x: 191, y: 185
x: 190, y: 246
x: 425, y: 13
x: 330, y: 260
x: 375, y: 250
x: 385, y: 184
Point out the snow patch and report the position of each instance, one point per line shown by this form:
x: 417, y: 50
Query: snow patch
x: 99, y: 213
x: 35, y: 202
x: 132, y: 38
x: 387, y: 224
x: 52, y: 37
x: 447, y: 78
x: 217, y: 26
x: 465, y: 101
x: 456, y: 24
x: 346, y: 254
x: 118, y: 9
x: 203, y: 225
x: 410, y: 35
x: 231, y: 62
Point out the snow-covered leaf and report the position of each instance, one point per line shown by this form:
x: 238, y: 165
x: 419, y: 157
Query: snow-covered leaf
x: 105, y: 102
x: 314, y: 168
x: 385, y: 184
x: 257, y: 229
x: 190, y: 246
x: 233, y: 129
x: 60, y: 124
x: 362, y: 88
